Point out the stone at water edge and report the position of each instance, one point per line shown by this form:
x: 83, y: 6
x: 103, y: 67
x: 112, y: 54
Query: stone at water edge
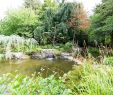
x: 19, y: 55
x: 65, y: 55
x: 48, y: 53
x: 26, y: 57
x: 44, y: 54
x: 37, y: 56
x: 49, y: 59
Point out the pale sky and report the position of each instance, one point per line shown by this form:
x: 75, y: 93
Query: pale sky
x: 89, y: 5
x: 11, y: 4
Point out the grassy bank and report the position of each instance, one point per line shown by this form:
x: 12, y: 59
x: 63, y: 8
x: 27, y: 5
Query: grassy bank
x: 91, y: 80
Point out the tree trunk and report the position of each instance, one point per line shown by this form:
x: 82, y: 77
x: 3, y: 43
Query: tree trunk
x: 74, y: 38
x: 54, y: 37
x: 112, y: 39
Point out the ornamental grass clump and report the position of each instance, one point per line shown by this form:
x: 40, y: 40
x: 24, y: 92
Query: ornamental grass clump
x: 91, y: 80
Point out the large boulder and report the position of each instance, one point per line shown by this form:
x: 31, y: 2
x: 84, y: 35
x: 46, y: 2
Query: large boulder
x: 48, y: 53
x: 44, y: 54
x: 37, y: 56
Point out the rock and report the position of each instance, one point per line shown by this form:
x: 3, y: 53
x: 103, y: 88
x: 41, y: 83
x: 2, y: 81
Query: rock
x: 19, y: 55
x: 49, y: 58
x: 37, y: 56
x: 66, y: 56
x: 26, y: 57
x: 48, y: 53
x: 44, y: 54
x: 70, y: 58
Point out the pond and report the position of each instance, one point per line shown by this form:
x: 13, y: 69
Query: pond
x: 28, y: 67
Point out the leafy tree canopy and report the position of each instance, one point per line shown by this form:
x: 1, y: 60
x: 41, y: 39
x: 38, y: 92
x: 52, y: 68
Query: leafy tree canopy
x: 21, y: 22
x: 102, y: 20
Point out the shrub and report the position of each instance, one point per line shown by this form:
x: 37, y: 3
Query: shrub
x: 52, y: 86
x: 17, y: 84
x: 94, y: 51
x: 67, y: 47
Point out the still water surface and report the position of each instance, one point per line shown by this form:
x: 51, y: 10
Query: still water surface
x: 28, y: 67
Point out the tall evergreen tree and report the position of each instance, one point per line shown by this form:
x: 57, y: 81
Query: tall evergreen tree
x: 56, y: 21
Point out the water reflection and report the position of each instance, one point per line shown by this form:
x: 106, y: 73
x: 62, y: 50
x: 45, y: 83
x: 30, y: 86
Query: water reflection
x: 28, y: 67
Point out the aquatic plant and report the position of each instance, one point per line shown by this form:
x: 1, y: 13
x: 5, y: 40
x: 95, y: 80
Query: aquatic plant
x: 15, y: 41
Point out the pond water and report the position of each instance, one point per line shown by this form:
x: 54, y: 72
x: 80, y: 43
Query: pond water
x: 28, y: 67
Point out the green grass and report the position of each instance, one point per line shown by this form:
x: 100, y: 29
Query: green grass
x: 109, y: 61
x: 91, y: 80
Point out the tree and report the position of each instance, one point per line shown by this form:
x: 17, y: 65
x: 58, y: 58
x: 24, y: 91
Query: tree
x: 33, y: 4
x: 79, y: 21
x: 21, y: 22
x: 56, y: 21
x: 45, y: 19
x: 102, y: 21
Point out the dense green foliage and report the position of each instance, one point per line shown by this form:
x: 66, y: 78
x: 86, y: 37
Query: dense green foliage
x: 23, y: 85
x: 21, y: 22
x: 49, y: 22
x: 102, y: 22
x: 55, y: 21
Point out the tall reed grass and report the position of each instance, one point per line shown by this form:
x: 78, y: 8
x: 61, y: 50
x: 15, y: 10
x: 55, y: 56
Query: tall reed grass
x: 91, y: 80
